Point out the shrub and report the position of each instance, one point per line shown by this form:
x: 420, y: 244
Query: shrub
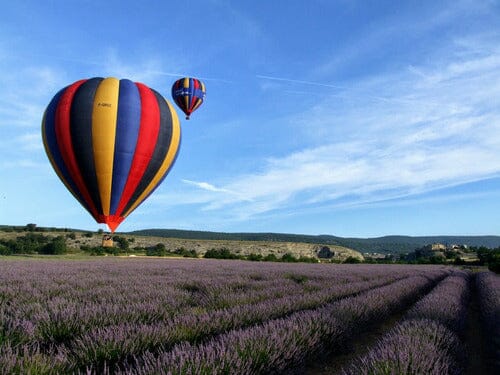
x: 221, y: 253
x: 27, y: 244
x: 190, y: 254
x: 157, y: 250
x: 4, y: 250
x: 56, y: 247
x: 270, y: 258
x: 122, y: 242
x: 288, y: 258
x: 352, y: 260
x: 255, y: 257
x: 304, y: 259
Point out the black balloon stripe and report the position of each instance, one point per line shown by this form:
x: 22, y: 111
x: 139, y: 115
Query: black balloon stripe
x: 160, y: 151
x: 81, y: 136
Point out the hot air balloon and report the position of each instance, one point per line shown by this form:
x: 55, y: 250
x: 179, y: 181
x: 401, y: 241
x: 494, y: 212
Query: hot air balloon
x: 188, y: 94
x: 111, y: 142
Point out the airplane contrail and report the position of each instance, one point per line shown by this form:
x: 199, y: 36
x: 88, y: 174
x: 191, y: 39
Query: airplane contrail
x: 302, y: 82
x: 375, y: 97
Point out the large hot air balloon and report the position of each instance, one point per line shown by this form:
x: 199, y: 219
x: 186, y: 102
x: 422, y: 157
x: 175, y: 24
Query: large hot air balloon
x: 188, y: 93
x: 111, y: 142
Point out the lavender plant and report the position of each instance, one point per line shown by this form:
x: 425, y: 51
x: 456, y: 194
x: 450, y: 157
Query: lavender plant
x: 277, y: 345
x: 125, y: 315
x: 447, y: 304
x: 427, y: 340
x: 416, y: 346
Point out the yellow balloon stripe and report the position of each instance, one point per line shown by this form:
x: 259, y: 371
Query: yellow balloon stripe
x: 198, y: 103
x: 104, y: 115
x: 169, y: 159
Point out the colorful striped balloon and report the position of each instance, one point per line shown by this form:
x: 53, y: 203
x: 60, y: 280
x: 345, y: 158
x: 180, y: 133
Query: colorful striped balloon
x: 111, y: 142
x: 188, y: 94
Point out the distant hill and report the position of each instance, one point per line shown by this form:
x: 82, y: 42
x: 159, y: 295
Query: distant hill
x: 386, y: 244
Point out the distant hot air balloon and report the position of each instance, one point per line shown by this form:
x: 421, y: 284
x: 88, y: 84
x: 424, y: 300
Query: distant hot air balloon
x: 188, y: 93
x: 111, y: 142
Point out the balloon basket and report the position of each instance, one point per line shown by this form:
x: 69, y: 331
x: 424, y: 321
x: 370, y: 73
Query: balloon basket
x: 107, y: 241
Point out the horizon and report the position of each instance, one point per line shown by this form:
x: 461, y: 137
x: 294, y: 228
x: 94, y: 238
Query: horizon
x: 353, y: 119
x: 244, y: 233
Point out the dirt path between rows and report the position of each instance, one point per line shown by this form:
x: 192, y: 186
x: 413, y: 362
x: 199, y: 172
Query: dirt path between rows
x: 475, y: 348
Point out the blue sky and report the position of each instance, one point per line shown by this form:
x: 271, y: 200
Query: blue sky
x: 343, y: 117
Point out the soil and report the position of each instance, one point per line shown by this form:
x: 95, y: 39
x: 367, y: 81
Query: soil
x: 476, y: 360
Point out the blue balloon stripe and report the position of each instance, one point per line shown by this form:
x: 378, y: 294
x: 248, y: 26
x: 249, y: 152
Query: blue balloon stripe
x: 194, y: 92
x: 127, y: 132
x: 53, y: 148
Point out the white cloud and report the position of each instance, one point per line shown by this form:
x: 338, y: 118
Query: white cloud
x: 437, y: 128
x: 206, y: 186
x: 23, y: 163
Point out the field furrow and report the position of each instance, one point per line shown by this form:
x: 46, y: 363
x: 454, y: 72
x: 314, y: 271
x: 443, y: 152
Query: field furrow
x: 144, y: 316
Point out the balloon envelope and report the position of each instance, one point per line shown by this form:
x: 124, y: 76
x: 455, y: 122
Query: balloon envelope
x: 111, y: 142
x: 188, y: 94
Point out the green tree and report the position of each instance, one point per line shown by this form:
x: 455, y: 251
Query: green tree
x: 30, y: 227
x: 270, y: 258
x: 122, y: 243
x: 221, y: 253
x: 288, y: 258
x: 55, y: 247
x: 4, y: 250
x: 254, y: 257
x: 304, y: 259
x: 157, y: 250
x: 352, y: 260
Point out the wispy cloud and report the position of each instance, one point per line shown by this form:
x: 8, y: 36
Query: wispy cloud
x: 207, y: 186
x: 439, y: 128
x: 234, y: 195
x: 23, y: 163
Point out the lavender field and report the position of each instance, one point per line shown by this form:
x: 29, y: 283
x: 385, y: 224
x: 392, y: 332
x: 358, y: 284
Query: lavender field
x: 159, y: 316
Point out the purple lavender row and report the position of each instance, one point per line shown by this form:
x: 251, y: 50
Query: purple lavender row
x: 277, y: 345
x: 29, y: 359
x: 108, y: 285
x: 111, y: 344
x: 447, y: 303
x: 417, y: 346
x: 427, y: 340
x: 488, y: 287
x: 111, y: 291
x: 45, y: 294
x: 58, y: 318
